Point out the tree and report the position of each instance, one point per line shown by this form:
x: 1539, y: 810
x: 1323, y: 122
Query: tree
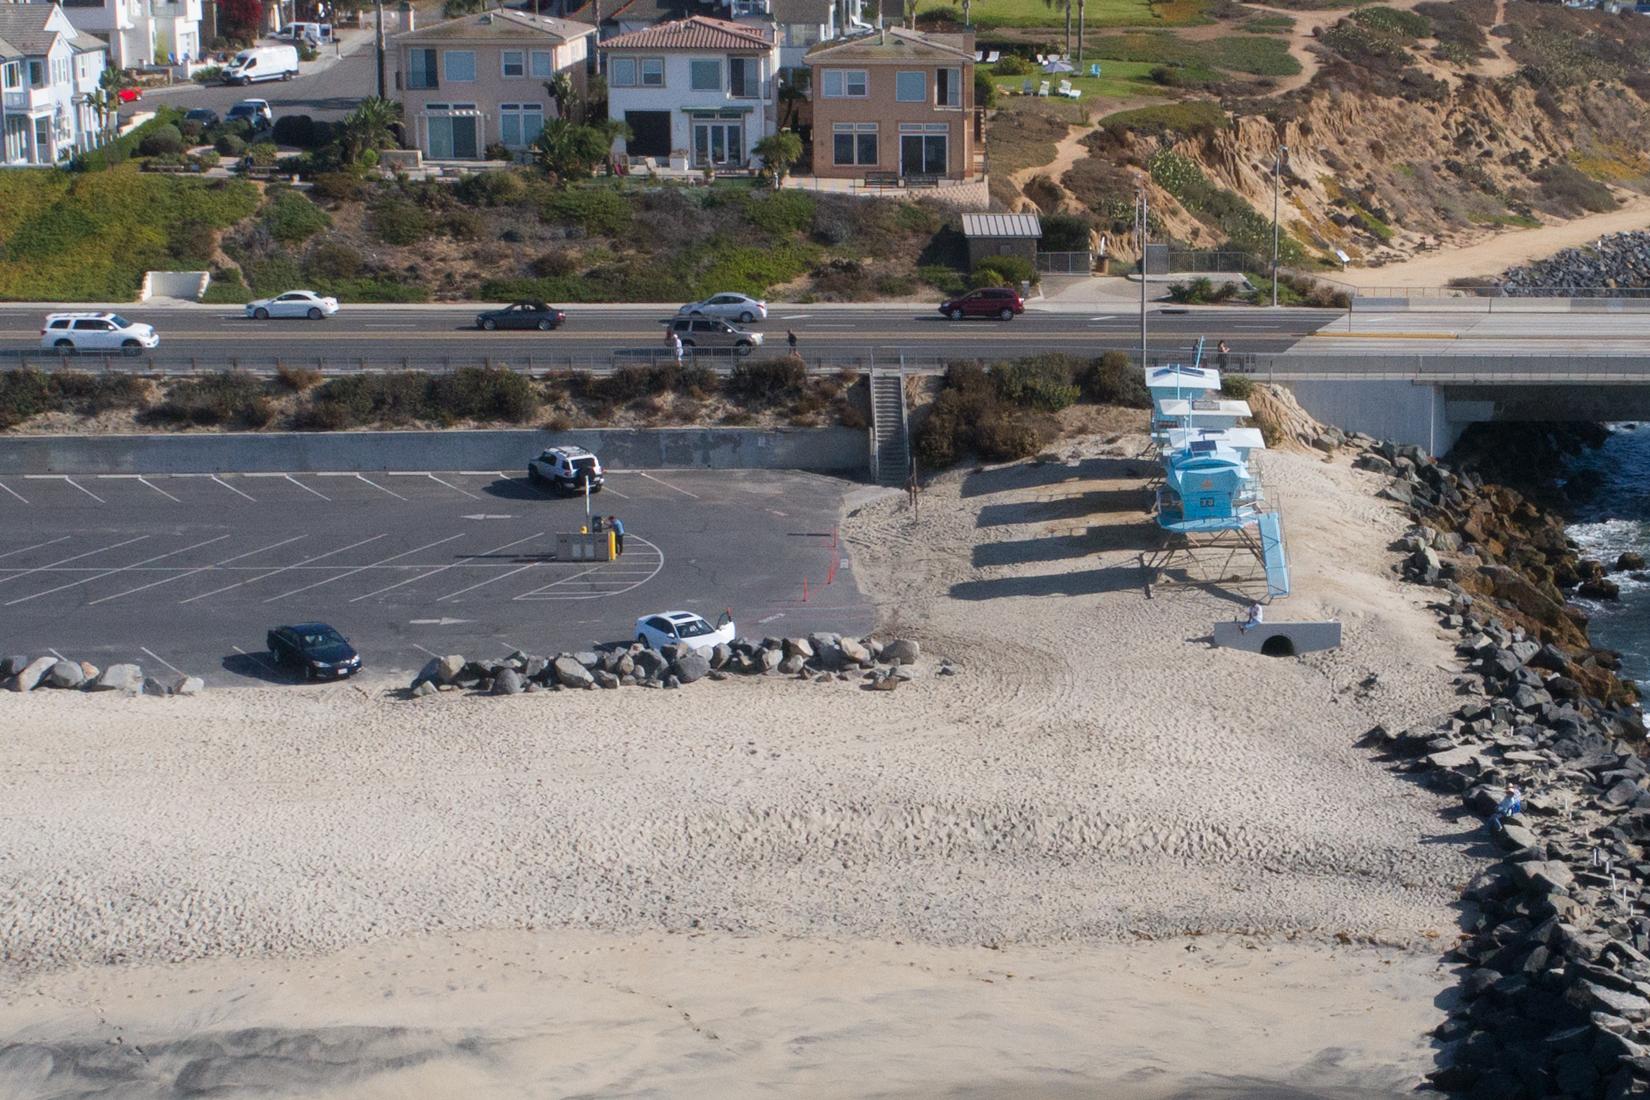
x: 1062, y: 5
x: 1082, y: 20
x: 569, y: 104
x: 370, y: 126
x: 568, y: 150
x: 793, y: 92
x: 240, y: 19
x: 779, y: 152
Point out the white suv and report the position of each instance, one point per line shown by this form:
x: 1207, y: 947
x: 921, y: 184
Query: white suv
x: 567, y: 468
x: 72, y: 332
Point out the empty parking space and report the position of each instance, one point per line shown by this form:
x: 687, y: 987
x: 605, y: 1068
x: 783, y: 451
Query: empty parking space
x: 191, y: 570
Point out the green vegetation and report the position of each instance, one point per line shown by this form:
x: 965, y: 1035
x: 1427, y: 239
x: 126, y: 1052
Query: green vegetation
x: 1220, y: 209
x: 391, y: 400
x: 1257, y: 56
x: 987, y: 14
x: 290, y: 217
x: 1003, y: 271
x: 1267, y: 24
x: 229, y: 399
x: 26, y: 393
x: 1567, y: 191
x: 1188, y: 119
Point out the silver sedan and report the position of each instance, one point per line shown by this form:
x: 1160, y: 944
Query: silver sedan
x: 729, y: 307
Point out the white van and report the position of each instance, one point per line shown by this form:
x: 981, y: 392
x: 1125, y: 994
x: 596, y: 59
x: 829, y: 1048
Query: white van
x: 262, y: 63
x: 313, y: 33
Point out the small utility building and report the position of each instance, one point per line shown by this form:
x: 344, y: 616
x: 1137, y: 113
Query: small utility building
x: 1002, y: 235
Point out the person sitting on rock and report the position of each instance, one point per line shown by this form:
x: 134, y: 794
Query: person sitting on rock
x: 1257, y: 615
x: 1509, y: 806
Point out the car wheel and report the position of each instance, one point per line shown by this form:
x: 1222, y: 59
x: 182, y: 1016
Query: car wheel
x: 261, y: 314
x: 314, y: 313
x: 641, y: 640
x: 747, y: 317
x: 65, y: 346
x: 131, y: 348
x: 545, y: 326
x: 1007, y: 315
x: 956, y: 315
x: 743, y: 347
x: 489, y: 325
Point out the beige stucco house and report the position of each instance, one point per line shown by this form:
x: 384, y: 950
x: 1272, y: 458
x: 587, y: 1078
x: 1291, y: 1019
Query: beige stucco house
x: 894, y: 102
x: 479, y: 80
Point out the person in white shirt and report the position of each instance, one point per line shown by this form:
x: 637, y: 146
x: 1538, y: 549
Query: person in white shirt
x: 1257, y: 615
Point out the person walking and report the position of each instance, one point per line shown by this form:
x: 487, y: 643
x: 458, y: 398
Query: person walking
x: 790, y: 339
x: 616, y: 525
x: 676, y: 347
x: 1223, y: 354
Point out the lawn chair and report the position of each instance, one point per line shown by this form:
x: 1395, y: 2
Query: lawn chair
x: 1094, y: 69
x: 1068, y: 91
x: 1027, y: 88
x: 1040, y: 58
x: 1042, y: 89
x: 979, y: 57
x: 993, y: 57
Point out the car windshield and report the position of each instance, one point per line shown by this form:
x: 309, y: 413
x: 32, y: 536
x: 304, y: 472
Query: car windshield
x: 693, y: 628
x: 118, y: 321
x: 323, y: 637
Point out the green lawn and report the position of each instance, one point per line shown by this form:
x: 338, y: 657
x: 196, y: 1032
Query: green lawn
x: 987, y: 14
x: 1117, y: 80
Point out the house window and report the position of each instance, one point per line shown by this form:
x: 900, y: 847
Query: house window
x: 515, y: 63
x: 844, y: 84
x: 621, y: 72
x: 911, y: 87
x: 9, y: 76
x: 37, y: 74
x: 520, y: 123
x: 453, y: 136
x: 854, y: 143
x: 543, y: 64
x: 706, y: 76
x: 461, y: 65
x: 948, y: 87
x: 636, y: 72
x: 652, y: 72
x: 421, y: 69
x: 924, y: 148
x: 744, y: 78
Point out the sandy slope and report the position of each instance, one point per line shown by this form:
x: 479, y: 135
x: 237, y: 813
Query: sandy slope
x: 1096, y: 775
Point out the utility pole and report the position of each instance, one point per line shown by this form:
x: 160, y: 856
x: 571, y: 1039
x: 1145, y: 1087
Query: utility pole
x: 1142, y: 216
x: 1277, y: 172
x: 378, y: 41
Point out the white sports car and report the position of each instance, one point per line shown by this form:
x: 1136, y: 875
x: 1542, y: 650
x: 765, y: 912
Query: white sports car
x: 294, y: 303
x: 682, y: 628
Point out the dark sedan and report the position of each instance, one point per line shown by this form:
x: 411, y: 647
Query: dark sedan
x: 522, y: 315
x: 316, y: 649
x: 206, y: 116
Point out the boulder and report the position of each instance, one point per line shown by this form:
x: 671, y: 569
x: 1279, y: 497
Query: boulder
x: 509, y: 681
x: 421, y: 688
x: 605, y: 679
x: 884, y: 683
x: 152, y: 686
x: 588, y: 659
x: 1516, y: 837
x: 32, y: 674
x: 855, y: 652
x: 11, y: 666
x: 720, y: 655
x: 1629, y: 560
x: 569, y: 672
x: 184, y: 684
x: 690, y: 666
x: 64, y: 674
x: 649, y: 663
x: 426, y: 674
x: 770, y: 659
x: 1623, y: 792
x: 120, y: 677
x: 901, y: 651
x: 793, y: 664
x: 799, y: 647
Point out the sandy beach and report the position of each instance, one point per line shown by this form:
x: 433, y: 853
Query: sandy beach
x: 764, y: 886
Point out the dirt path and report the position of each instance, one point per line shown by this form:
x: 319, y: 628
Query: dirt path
x: 1504, y: 250
x: 1500, y: 64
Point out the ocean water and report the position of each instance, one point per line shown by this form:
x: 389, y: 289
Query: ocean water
x: 1614, y: 519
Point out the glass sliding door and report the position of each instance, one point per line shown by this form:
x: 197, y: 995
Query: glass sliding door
x: 924, y: 154
x: 718, y: 143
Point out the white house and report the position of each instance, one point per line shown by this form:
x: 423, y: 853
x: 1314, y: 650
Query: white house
x: 48, y: 72
x: 799, y: 24
x: 140, y: 32
x: 698, y: 85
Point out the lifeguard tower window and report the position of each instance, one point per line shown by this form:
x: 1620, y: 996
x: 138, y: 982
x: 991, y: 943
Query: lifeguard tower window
x: 1278, y: 645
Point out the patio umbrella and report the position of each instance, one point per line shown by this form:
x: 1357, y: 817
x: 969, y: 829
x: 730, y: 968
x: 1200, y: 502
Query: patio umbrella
x: 1056, y: 67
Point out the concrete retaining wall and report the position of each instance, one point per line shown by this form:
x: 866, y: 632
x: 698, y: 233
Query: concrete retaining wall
x: 1408, y: 412
x: 824, y: 450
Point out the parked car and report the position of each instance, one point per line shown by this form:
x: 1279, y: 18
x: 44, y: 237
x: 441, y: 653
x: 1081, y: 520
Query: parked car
x: 313, y: 33
x: 987, y: 301
x: 254, y: 112
x: 262, y: 63
x: 729, y: 307
x: 568, y: 469
x: 294, y: 303
x: 682, y: 628
x: 74, y: 332
x: 710, y: 333
x: 522, y: 315
x: 129, y: 95
x: 206, y: 116
x: 315, y: 648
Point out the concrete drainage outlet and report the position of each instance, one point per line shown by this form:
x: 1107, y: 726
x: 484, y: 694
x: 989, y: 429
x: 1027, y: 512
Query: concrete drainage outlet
x: 1278, y: 645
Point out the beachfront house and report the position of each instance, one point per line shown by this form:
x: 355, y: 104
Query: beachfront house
x: 695, y: 88
x: 478, y: 81
x: 141, y: 32
x: 48, y: 73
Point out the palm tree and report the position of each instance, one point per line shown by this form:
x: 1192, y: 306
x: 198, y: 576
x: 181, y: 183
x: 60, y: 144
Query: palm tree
x: 1066, y: 6
x: 1082, y: 18
x: 370, y: 126
x: 569, y: 104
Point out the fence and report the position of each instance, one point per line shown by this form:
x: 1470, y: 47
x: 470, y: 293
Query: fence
x: 1065, y: 263
x: 1638, y: 293
x: 1201, y: 262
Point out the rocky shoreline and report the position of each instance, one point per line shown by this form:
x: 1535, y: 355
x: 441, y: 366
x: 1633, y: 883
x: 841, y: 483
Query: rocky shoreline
x: 1615, y: 262
x: 1556, y: 995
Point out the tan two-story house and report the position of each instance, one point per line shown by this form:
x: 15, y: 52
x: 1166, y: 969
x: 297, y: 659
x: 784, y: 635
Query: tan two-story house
x: 479, y: 80
x: 894, y: 102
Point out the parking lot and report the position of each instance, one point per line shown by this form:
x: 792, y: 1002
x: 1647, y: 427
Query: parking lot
x: 187, y: 572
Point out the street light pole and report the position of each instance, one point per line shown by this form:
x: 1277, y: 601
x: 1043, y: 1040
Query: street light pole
x: 378, y: 42
x: 1277, y: 172
x: 1143, y: 215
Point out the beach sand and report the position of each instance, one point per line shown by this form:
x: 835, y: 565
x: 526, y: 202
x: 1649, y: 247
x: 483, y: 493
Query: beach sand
x: 1194, y: 877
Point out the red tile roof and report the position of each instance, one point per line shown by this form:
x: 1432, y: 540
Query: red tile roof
x: 696, y: 32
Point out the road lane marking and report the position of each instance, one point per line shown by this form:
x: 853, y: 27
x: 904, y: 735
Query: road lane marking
x: 36, y: 546
x: 449, y: 565
x: 13, y: 492
x: 305, y: 488
x: 361, y: 569
x: 192, y: 572
x: 489, y: 580
x: 162, y: 660
x: 770, y: 618
x: 110, y: 572
x: 230, y: 487
x: 76, y: 557
x: 283, y: 569
x: 668, y: 485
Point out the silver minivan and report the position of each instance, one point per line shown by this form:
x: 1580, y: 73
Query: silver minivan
x: 709, y: 333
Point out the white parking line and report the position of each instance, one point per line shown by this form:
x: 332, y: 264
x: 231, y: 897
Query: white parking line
x: 668, y: 485
x: 111, y: 572
x: 283, y: 569
x: 621, y: 574
x: 13, y: 492
x: 192, y: 572
x: 429, y: 652
x: 36, y: 546
x: 453, y: 487
x: 161, y: 659
x: 159, y: 490
x: 85, y: 490
x: 361, y: 569
x: 449, y: 565
x: 489, y: 580
x: 304, y: 487
x: 375, y: 485
x: 76, y: 557
x: 230, y: 487
x: 257, y: 657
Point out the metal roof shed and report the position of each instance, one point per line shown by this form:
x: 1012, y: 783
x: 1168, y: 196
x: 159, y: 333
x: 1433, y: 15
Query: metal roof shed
x: 1002, y: 235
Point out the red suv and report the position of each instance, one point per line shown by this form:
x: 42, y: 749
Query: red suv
x: 988, y: 301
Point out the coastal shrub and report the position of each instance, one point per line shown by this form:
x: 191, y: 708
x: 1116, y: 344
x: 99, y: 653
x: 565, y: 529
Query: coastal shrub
x: 297, y: 130
x: 226, y: 288
x: 766, y: 381
x: 227, y: 399
x: 1202, y: 291
x: 399, y: 222
x: 290, y: 217
x: 781, y: 213
x: 1568, y: 190
x: 1187, y: 119
x: 1039, y: 382
x: 947, y: 280
x: 297, y: 379
x: 1237, y: 386
x: 1113, y: 379
x: 483, y: 393
x: 405, y: 397
x: 1244, y: 227
x: 554, y: 264
x: 337, y: 187
x: 595, y: 210
x: 332, y: 259
x: 1003, y: 271
x: 161, y: 141
x: 27, y: 393
x: 123, y: 148
x: 969, y: 417
x: 1013, y: 64
x: 230, y: 145
x: 504, y: 188
x: 262, y: 154
x: 1066, y: 233
x: 463, y: 225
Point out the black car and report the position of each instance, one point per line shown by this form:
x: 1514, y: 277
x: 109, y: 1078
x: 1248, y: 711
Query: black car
x: 316, y: 648
x: 206, y: 116
x: 522, y: 315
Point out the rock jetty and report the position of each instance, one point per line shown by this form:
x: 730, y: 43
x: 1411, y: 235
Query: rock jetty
x: 1618, y: 261
x: 24, y: 673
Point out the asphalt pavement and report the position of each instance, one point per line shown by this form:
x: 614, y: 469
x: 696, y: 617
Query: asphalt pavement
x: 326, y: 89
x: 189, y: 572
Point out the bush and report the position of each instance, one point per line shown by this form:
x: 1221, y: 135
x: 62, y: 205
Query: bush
x: 491, y: 189
x: 330, y: 260
x: 230, y: 145
x: 298, y: 130
x: 230, y: 399
x: 832, y: 225
x: 337, y: 187
x: 306, y: 52
x: 1202, y: 291
x: 1040, y: 382
x: 968, y: 416
x: 463, y: 225
x: 207, y: 158
x: 1113, y: 379
x: 207, y: 74
x: 596, y: 210
x: 553, y: 265
x: 985, y: 91
x: 1066, y: 233
x: 498, y: 151
x: 26, y: 393
x: 1012, y: 64
x: 191, y: 129
x: 1236, y: 386
x: 1004, y: 271
x: 1568, y: 189
x: 1194, y: 117
x: 297, y: 379
x: 291, y: 218
x: 473, y: 393
x: 766, y: 381
x: 226, y: 289
x: 162, y: 141
x: 484, y: 393
x: 399, y: 222
x: 262, y: 154
x: 192, y: 242
x: 781, y: 213
x: 948, y: 280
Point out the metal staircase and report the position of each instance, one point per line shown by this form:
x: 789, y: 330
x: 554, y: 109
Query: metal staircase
x: 890, y: 453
